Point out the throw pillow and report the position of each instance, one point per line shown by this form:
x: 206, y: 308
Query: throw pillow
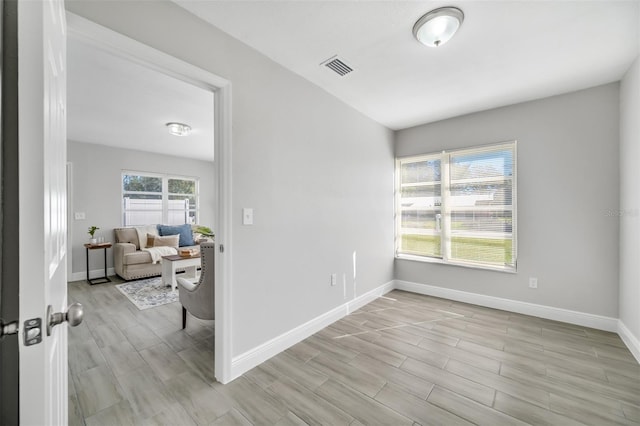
x: 143, y: 231
x: 167, y: 240
x: 186, y: 235
x: 150, y: 239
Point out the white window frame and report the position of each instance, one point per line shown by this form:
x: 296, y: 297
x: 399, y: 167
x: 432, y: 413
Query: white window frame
x: 444, y: 157
x: 164, y: 194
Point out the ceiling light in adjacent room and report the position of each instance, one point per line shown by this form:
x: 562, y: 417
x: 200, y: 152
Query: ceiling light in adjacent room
x: 438, y: 26
x: 179, y: 129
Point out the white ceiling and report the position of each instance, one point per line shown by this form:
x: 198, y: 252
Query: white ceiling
x: 505, y: 52
x: 113, y: 101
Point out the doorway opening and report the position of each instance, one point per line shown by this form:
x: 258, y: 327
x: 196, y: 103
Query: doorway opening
x: 165, y: 66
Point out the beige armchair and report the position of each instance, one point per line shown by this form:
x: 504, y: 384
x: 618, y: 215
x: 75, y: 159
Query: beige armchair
x: 199, y: 298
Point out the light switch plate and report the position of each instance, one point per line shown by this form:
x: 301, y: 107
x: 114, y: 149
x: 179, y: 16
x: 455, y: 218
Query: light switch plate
x: 247, y: 216
x: 79, y: 216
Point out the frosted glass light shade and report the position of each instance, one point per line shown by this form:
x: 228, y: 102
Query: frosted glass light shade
x: 179, y: 129
x: 438, y: 26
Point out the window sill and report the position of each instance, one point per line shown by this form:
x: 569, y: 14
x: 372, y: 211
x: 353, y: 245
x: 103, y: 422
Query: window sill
x: 508, y: 270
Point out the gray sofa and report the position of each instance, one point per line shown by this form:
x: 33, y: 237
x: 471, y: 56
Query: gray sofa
x: 131, y: 263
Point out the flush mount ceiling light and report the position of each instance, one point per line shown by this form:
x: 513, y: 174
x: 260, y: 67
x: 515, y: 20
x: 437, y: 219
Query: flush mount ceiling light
x: 179, y: 129
x: 438, y: 26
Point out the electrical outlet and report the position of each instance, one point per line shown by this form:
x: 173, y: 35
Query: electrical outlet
x: 533, y: 282
x: 334, y: 279
x: 79, y: 216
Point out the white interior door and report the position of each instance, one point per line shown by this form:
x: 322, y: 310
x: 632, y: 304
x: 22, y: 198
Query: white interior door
x: 42, y: 206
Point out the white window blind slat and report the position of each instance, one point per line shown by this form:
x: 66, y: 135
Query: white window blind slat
x: 459, y: 206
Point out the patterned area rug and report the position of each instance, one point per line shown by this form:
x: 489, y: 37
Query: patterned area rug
x: 148, y: 293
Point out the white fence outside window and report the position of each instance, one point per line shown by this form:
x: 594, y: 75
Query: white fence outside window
x: 143, y: 212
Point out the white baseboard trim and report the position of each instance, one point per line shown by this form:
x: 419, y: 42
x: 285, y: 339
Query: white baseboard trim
x: 548, y: 312
x: 632, y: 342
x: 369, y: 297
x: 256, y: 356
x: 95, y: 273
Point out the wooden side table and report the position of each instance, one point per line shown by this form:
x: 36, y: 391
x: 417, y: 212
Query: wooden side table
x: 105, y: 246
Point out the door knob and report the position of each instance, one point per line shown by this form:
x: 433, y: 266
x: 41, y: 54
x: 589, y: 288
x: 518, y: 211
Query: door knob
x: 73, y: 316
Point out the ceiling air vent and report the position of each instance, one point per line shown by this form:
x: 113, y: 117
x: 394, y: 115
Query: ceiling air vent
x: 338, y: 66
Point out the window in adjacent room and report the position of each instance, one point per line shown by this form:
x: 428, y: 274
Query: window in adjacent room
x: 156, y: 198
x: 458, y: 207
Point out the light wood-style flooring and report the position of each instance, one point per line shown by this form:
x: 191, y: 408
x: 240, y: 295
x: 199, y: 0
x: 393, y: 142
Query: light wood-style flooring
x: 402, y: 359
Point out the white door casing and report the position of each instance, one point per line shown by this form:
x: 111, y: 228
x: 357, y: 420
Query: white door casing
x: 127, y: 48
x: 42, y: 206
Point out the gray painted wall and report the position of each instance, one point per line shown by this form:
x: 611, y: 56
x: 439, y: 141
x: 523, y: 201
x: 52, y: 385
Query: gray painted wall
x: 97, y: 191
x: 630, y: 200
x: 315, y: 171
x: 568, y: 193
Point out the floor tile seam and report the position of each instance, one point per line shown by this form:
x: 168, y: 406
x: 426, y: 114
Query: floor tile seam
x: 492, y: 407
x: 632, y: 362
x: 509, y: 359
x: 111, y: 344
x: 453, y: 373
x: 111, y: 367
x: 620, y: 354
x: 340, y: 378
x: 500, y: 335
x: 237, y: 406
x: 585, y: 362
x: 578, y: 374
x: 128, y: 398
x: 350, y: 388
x: 468, y: 420
x: 547, y: 382
x: 632, y: 390
x: 436, y: 333
x: 399, y: 413
x: 610, y: 392
x: 593, y: 412
x: 273, y: 393
x: 119, y: 390
x: 84, y: 419
x: 627, y: 417
x: 418, y: 348
x: 400, y: 370
x: 544, y: 387
x: 79, y: 407
x: 154, y: 369
x: 241, y: 412
x: 499, y: 377
x: 528, y: 403
x: 300, y: 383
x: 461, y: 351
x: 462, y: 334
x: 519, y: 368
x: 381, y: 348
x: 389, y: 328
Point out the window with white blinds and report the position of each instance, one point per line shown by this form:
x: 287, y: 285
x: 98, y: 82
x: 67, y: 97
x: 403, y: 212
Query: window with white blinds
x: 458, y: 207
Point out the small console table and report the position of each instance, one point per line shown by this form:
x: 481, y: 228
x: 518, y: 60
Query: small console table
x: 98, y: 280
